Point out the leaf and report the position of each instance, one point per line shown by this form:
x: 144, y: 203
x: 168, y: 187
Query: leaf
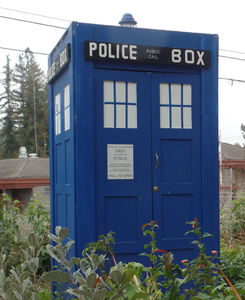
x: 91, y: 279
x: 17, y: 295
x: 100, y: 295
x: 67, y: 246
x: 34, y: 265
x: 31, y: 239
x: 24, y: 276
x: 62, y: 234
x: 2, y: 277
x: 116, y: 276
x: 206, y: 234
x: 56, y: 276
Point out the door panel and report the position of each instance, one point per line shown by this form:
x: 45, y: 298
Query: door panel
x: 147, y: 157
x: 123, y: 187
x: 177, y: 173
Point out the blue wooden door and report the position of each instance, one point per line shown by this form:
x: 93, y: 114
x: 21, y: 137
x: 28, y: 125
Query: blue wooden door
x: 147, y: 153
x: 176, y: 151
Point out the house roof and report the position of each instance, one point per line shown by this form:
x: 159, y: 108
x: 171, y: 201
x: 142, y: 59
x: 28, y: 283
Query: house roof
x: 24, y: 168
x: 232, y: 152
x: 24, y: 172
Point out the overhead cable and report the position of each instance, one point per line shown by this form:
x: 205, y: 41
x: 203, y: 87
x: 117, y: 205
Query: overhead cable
x: 231, y: 57
x: 233, y: 51
x: 34, y: 14
x: 65, y: 20
x: 18, y: 50
x: 32, y: 22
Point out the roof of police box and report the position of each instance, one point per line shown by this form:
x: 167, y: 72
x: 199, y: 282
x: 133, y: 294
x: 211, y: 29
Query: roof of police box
x: 24, y: 168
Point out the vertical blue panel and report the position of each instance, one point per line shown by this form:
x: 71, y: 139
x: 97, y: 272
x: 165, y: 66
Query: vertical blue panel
x: 177, y: 162
x: 175, y: 211
x: 68, y: 162
x: 61, y: 210
x: 58, y: 165
x: 122, y: 218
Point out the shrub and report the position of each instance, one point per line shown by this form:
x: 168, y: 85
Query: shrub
x: 89, y: 279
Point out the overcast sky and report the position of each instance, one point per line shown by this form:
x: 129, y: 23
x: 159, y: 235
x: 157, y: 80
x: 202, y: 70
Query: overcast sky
x: 225, y: 18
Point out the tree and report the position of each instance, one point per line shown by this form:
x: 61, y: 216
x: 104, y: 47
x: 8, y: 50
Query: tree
x: 31, y: 95
x: 9, y: 143
x: 243, y: 130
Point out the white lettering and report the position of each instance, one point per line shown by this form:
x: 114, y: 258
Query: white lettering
x: 133, y: 52
x: 124, y: 47
x: 117, y: 51
x: 176, y: 55
x: 63, y: 57
x: 200, y: 58
x: 189, y: 56
x: 110, y: 55
x: 102, y: 50
x: 92, y: 48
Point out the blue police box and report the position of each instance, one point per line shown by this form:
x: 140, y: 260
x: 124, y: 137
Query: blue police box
x: 134, y: 136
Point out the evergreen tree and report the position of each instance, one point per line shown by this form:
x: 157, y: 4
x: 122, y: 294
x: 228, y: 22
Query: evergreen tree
x: 9, y: 143
x: 31, y: 95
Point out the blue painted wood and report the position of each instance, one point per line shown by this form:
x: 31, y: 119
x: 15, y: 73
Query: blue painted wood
x: 82, y: 197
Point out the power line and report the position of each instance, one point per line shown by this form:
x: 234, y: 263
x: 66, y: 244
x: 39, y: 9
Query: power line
x: 233, y: 51
x: 18, y: 50
x: 32, y: 22
x: 41, y: 53
x: 65, y: 20
x: 232, y: 57
x: 34, y: 14
x: 232, y: 79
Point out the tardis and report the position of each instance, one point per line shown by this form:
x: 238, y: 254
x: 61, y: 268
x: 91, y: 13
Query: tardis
x: 134, y: 136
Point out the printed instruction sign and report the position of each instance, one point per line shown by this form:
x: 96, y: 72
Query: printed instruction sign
x: 120, y: 161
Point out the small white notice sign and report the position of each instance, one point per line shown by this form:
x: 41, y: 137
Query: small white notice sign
x: 120, y: 161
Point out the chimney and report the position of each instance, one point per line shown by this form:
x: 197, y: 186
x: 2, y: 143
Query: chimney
x: 22, y: 152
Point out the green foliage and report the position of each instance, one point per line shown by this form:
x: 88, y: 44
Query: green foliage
x: 23, y: 250
x: 9, y: 108
x: 233, y: 243
x: 24, y: 106
x: 89, y: 279
x: 20, y: 227
x: 233, y: 223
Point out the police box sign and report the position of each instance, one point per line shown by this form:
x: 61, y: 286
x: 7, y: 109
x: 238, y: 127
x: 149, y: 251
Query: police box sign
x: 59, y: 64
x: 112, y: 52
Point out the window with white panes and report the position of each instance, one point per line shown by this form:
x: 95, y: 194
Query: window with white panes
x: 120, y: 104
x: 67, y: 122
x: 175, y: 106
x: 57, y: 114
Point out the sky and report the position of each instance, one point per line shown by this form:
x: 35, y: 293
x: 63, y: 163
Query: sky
x: 225, y: 18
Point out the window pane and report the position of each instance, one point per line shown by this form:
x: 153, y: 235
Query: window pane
x: 108, y: 115
x: 57, y: 114
x: 58, y: 124
x: 57, y: 104
x: 120, y: 116
x: 67, y: 118
x: 164, y: 93
x: 67, y: 107
x: 176, y: 94
x: 120, y: 91
x: 132, y: 92
x: 164, y: 117
x: 66, y: 96
x: 108, y: 91
x: 187, y: 118
x: 132, y: 116
x: 187, y: 94
x: 176, y: 117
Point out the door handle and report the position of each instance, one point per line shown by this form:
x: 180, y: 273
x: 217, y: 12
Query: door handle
x: 155, y: 188
x: 156, y: 160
